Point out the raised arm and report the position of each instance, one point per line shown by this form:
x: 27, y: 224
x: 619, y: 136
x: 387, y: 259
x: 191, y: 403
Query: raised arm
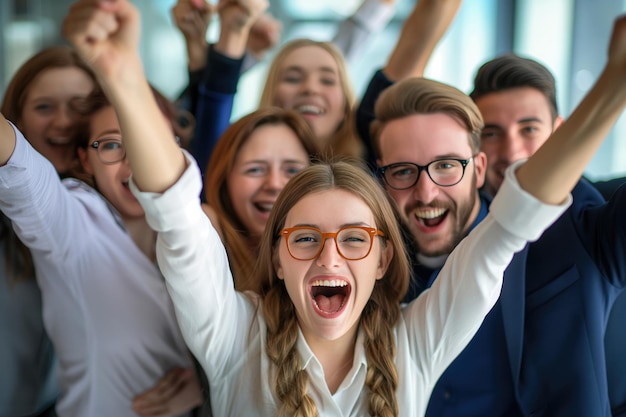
x: 192, y: 18
x: 554, y: 169
x: 106, y: 34
x: 421, y: 32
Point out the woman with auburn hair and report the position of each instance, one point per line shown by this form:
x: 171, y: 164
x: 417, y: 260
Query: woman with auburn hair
x: 38, y: 100
x: 311, y: 78
x: 252, y: 162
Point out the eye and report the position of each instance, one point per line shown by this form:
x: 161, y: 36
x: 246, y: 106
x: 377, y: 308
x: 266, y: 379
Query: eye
x: 445, y: 165
x: 110, y: 145
x: 292, y: 169
x: 43, y: 108
x: 490, y: 136
x: 329, y: 81
x: 304, y: 237
x: 255, y: 171
x: 292, y: 77
x: 402, y: 171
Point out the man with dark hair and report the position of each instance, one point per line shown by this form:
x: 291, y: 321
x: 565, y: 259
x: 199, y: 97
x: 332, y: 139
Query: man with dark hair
x: 517, y: 99
x: 540, y: 351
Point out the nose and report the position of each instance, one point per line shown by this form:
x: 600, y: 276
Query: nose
x: 310, y: 85
x: 274, y: 180
x: 511, y: 149
x: 329, y: 257
x: 425, y: 190
x: 63, y: 118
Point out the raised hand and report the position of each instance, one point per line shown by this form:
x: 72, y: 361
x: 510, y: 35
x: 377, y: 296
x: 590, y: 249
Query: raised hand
x: 192, y: 17
x: 105, y: 33
x: 264, y: 35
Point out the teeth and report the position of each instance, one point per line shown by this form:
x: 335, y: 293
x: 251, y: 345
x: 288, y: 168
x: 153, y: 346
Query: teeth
x: 329, y: 283
x: 310, y: 109
x: 429, y: 213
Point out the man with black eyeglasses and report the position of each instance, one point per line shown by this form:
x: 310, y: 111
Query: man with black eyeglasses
x: 540, y: 351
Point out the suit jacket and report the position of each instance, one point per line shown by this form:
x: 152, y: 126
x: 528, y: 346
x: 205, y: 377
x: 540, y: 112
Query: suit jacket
x: 556, y: 299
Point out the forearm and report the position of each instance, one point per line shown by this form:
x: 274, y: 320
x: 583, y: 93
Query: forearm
x: 551, y: 173
x: 155, y: 157
x: 7, y: 140
x: 421, y: 32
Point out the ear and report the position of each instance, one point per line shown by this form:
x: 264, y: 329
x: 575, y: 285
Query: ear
x: 480, y: 165
x: 557, y: 123
x: 386, y: 254
x: 277, y: 267
x: 84, y: 160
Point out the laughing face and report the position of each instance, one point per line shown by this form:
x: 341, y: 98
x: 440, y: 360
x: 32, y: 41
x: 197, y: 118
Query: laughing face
x: 330, y: 292
x: 438, y: 217
x: 263, y: 165
x: 47, y: 118
x: 111, y: 179
x: 310, y: 84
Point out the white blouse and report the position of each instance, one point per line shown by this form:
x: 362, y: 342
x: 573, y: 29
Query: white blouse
x: 227, y: 332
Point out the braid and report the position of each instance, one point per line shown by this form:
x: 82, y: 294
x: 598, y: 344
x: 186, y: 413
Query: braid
x: 291, y: 381
x: 380, y: 350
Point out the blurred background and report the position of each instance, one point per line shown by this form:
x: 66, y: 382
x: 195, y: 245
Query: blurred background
x: 570, y: 37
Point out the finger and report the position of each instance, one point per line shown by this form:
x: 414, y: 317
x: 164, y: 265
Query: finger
x: 174, y: 382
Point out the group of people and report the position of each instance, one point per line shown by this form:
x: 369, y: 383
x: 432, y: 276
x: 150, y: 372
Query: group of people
x: 421, y: 252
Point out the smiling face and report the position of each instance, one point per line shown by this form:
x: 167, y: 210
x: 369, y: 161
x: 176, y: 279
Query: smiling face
x: 47, y: 119
x: 271, y: 155
x: 309, y: 82
x: 517, y: 122
x: 330, y: 292
x: 111, y: 179
x: 438, y: 217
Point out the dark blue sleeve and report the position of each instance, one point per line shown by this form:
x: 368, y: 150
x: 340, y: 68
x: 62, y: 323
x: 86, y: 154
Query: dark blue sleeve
x: 365, y: 113
x: 602, y: 226
x: 215, y: 104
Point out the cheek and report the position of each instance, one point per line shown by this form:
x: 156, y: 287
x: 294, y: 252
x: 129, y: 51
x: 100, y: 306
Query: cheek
x: 284, y: 95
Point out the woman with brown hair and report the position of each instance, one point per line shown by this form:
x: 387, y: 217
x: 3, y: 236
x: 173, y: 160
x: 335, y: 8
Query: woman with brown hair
x: 38, y: 100
x: 252, y: 162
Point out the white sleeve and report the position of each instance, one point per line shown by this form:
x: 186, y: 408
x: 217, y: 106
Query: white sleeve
x: 444, y: 318
x: 212, y: 316
x: 371, y: 17
x: 44, y: 214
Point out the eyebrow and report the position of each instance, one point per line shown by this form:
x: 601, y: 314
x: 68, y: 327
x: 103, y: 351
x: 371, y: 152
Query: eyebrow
x: 520, y: 121
x: 301, y: 69
x: 340, y: 226
x: 108, y: 132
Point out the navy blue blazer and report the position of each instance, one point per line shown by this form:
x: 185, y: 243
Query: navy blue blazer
x: 556, y: 298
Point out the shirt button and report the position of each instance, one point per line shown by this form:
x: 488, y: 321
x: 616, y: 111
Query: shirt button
x: 447, y: 395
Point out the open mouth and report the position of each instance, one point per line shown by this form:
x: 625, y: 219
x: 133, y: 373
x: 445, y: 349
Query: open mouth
x: 310, y: 110
x: 431, y: 217
x: 329, y: 296
x: 264, y: 207
x: 61, y: 142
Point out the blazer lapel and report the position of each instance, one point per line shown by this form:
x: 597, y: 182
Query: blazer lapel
x: 513, y: 298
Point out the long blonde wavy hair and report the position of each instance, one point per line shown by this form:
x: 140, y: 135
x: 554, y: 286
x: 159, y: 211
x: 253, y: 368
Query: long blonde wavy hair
x: 379, y: 316
x: 344, y: 142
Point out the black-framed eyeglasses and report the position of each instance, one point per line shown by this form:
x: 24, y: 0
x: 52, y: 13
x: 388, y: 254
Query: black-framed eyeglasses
x: 110, y: 151
x: 443, y: 172
x: 353, y: 242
